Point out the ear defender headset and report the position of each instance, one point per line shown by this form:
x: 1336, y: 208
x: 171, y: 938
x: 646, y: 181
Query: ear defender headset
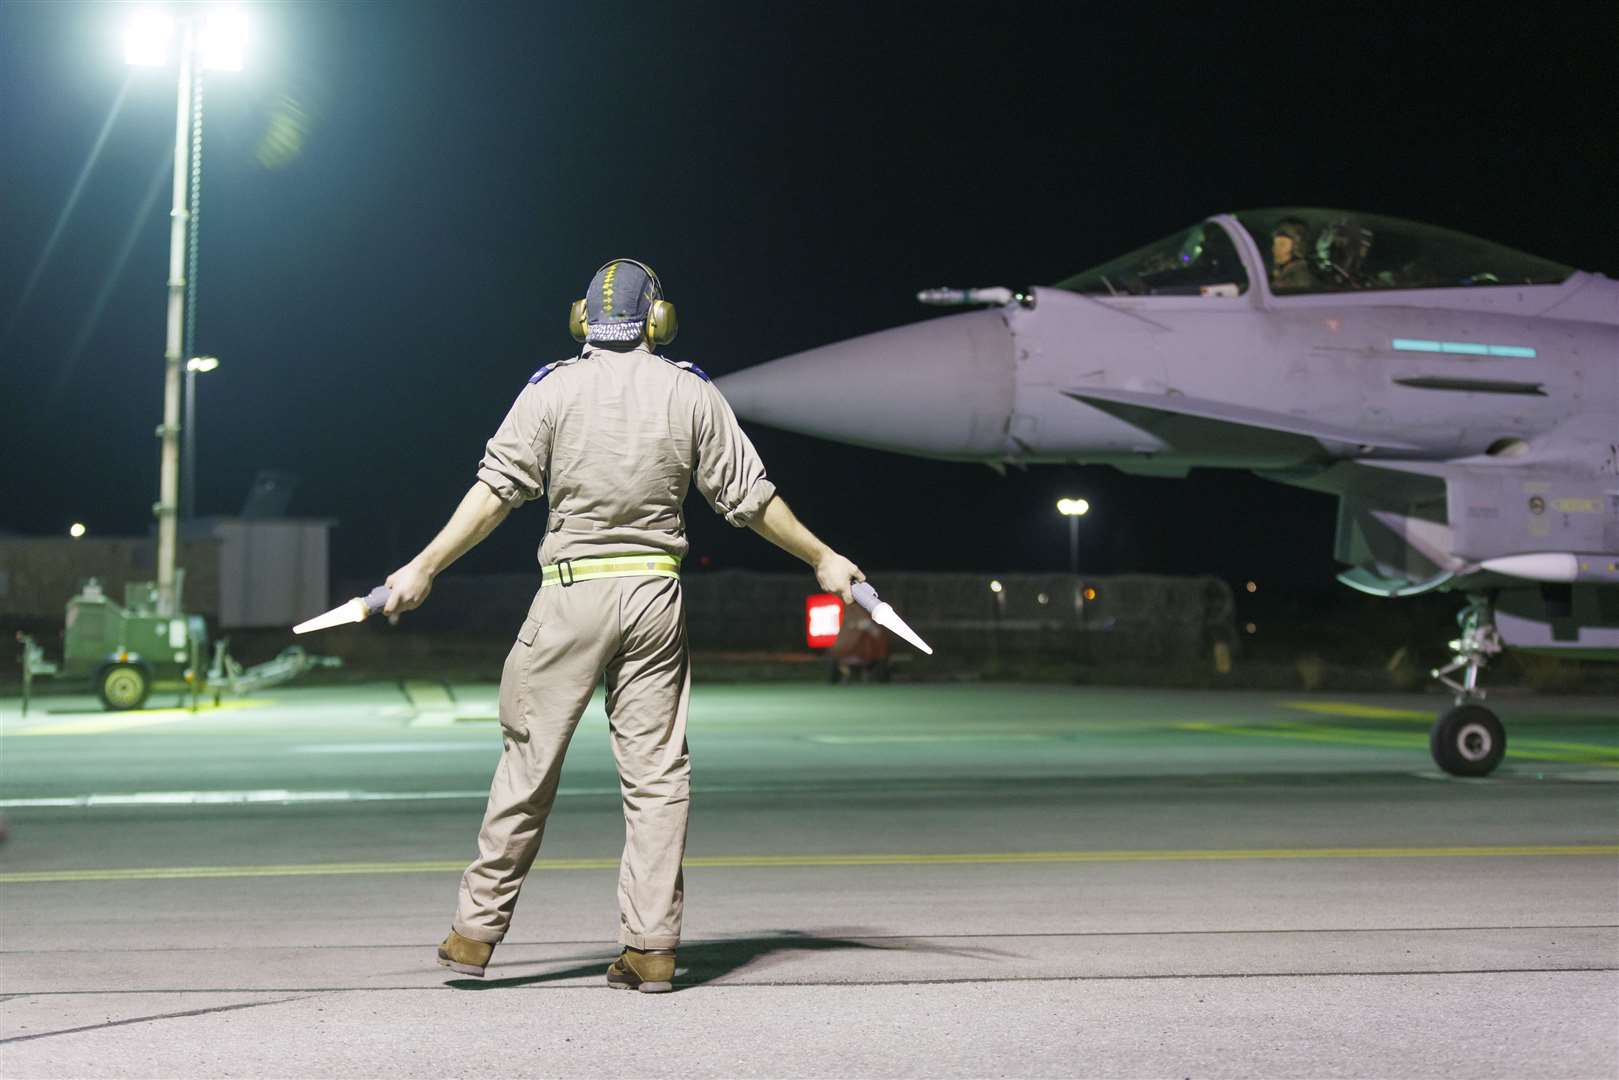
x: 661, y: 323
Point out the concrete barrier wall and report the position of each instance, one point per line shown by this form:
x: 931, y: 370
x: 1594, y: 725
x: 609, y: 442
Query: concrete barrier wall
x: 1132, y: 619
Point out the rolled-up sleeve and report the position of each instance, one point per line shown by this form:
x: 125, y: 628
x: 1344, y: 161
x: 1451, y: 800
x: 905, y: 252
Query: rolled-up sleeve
x: 729, y: 473
x: 515, y: 460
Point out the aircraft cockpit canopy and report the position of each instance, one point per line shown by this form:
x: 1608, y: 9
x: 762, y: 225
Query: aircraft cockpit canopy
x: 1316, y: 251
x: 1200, y: 261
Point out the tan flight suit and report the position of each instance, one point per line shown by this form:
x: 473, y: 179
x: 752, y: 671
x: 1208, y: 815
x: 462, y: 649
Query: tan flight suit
x: 1292, y: 276
x: 614, y: 440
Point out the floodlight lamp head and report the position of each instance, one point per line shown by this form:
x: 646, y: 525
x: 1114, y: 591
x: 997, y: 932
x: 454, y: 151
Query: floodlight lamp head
x: 147, y: 38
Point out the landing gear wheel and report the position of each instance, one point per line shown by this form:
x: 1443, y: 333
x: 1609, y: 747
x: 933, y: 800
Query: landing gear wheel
x: 123, y: 686
x: 1468, y: 741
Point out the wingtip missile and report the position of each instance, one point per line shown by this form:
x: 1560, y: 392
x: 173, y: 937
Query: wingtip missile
x: 359, y: 609
x: 884, y: 615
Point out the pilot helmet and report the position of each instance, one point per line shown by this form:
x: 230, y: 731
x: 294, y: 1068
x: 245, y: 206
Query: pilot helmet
x: 1295, y: 230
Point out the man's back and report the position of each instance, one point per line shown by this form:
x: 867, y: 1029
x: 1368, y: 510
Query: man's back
x: 614, y: 440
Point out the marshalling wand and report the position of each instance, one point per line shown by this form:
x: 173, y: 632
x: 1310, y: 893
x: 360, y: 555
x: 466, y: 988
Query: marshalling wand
x: 359, y: 609
x: 883, y: 614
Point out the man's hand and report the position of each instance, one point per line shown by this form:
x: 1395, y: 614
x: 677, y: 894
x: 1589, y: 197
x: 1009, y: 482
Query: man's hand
x: 408, y: 588
x: 836, y: 574
x: 778, y: 524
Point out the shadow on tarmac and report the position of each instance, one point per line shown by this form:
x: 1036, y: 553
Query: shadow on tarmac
x: 706, y: 961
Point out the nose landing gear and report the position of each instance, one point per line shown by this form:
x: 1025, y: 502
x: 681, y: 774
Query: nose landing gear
x: 1468, y: 739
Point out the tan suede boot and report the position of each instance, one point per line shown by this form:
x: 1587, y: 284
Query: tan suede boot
x: 464, y: 955
x: 647, y: 970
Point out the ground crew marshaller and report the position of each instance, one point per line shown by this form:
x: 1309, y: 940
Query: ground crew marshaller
x: 612, y: 437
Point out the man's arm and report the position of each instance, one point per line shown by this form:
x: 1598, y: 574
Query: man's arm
x: 480, y: 511
x: 781, y: 527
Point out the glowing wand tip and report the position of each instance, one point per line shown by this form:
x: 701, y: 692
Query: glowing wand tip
x: 883, y: 614
x: 357, y: 610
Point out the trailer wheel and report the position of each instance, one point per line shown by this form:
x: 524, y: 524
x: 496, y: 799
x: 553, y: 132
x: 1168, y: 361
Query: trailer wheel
x: 123, y: 686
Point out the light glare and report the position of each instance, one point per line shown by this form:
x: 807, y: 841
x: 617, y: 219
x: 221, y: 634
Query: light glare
x: 995, y: 586
x: 76, y: 530
x: 224, y: 40
x: 202, y: 364
x: 147, y: 37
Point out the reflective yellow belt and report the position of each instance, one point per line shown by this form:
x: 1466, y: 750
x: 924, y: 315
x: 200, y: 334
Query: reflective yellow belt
x: 567, y: 571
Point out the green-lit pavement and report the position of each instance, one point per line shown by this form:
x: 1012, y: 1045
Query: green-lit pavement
x: 882, y: 880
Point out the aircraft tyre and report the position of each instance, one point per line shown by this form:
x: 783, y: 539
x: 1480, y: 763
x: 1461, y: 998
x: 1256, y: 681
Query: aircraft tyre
x: 1468, y: 741
x: 123, y: 686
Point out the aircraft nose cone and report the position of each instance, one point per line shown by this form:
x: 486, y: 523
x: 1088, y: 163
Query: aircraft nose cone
x: 941, y: 388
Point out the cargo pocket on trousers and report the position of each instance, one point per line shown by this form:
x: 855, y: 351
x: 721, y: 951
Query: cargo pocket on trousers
x: 514, y: 684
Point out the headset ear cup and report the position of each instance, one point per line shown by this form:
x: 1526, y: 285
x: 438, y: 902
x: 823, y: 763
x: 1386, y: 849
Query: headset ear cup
x: 576, y: 320
x: 663, y: 323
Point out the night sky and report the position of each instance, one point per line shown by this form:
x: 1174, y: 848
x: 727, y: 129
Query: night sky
x: 400, y: 201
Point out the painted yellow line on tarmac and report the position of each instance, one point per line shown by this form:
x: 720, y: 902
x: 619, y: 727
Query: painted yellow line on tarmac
x: 168, y: 873
x: 1523, y: 749
x: 1393, y: 740
x: 1572, y: 747
x: 127, y: 721
x: 1363, y: 712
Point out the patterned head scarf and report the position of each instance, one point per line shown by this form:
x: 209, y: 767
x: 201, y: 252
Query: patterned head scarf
x: 619, y: 300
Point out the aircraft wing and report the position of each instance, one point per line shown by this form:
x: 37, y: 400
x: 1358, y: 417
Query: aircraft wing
x: 1240, y: 415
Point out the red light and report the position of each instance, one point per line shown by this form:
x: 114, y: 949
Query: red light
x: 823, y: 618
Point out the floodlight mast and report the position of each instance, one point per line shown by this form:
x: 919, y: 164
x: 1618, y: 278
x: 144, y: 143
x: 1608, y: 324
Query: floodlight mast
x: 168, y: 504
x: 220, y: 40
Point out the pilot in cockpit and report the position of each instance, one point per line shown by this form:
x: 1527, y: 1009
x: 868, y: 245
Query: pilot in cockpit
x: 1290, y: 270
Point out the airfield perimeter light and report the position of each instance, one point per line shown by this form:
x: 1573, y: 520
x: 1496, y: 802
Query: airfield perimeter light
x: 197, y: 365
x: 215, y: 40
x: 76, y: 529
x: 1073, y: 510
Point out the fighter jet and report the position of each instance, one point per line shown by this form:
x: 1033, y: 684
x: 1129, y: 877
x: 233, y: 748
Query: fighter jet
x: 1459, y: 398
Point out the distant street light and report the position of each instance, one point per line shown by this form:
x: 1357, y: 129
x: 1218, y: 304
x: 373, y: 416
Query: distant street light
x: 217, y: 41
x: 197, y: 365
x: 76, y: 530
x: 1073, y: 510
